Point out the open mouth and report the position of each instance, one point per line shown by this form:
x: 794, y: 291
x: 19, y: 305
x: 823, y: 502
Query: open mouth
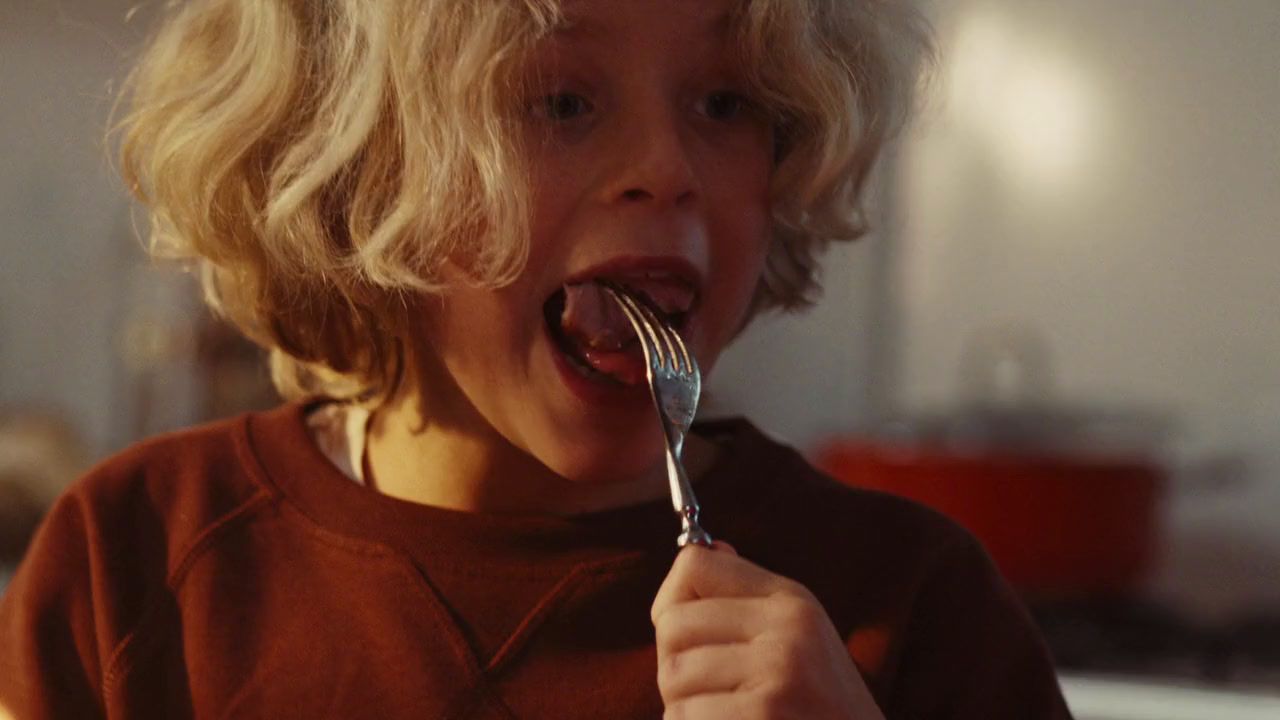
x: 592, y: 332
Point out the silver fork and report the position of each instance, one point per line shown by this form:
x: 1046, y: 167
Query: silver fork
x: 676, y: 384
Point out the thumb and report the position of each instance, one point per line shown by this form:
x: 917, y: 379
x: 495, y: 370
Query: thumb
x: 717, y: 571
x: 722, y: 546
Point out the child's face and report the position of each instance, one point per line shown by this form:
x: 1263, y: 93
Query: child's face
x: 644, y: 158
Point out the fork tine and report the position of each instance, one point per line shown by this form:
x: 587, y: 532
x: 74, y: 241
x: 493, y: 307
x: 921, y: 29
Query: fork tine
x: 676, y: 357
x: 670, y: 339
x: 690, y: 366
x: 681, y: 361
x: 645, y: 330
x: 653, y: 332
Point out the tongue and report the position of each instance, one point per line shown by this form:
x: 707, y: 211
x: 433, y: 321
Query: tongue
x: 601, y: 332
x: 604, y: 337
x: 592, y: 319
x: 625, y: 367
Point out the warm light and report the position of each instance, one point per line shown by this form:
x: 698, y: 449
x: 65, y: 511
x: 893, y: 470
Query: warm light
x: 978, y: 61
x: 1030, y: 108
x: 1046, y: 124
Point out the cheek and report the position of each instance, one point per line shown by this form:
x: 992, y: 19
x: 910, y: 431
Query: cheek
x: 752, y: 218
x: 479, y: 332
x: 747, y: 266
x: 750, y: 227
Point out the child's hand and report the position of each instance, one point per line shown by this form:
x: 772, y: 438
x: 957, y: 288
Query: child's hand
x: 736, y: 641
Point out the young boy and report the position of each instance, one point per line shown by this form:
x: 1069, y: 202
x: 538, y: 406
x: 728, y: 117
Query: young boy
x: 461, y: 513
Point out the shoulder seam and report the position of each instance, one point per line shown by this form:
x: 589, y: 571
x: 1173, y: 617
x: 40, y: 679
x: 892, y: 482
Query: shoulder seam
x: 121, y: 660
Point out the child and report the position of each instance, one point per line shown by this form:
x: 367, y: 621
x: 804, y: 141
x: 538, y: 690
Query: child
x: 462, y: 511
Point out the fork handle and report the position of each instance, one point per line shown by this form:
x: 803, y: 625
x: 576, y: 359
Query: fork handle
x: 686, y: 505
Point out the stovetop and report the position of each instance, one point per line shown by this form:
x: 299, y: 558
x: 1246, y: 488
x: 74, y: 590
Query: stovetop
x: 1144, y: 639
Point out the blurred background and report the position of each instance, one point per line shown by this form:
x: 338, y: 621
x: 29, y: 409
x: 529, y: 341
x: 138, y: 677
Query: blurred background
x: 1063, y: 331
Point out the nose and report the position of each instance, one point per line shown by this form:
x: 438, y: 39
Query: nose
x: 655, y: 165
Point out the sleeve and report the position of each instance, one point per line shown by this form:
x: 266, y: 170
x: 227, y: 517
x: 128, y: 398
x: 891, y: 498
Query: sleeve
x: 971, y: 650
x: 50, y: 664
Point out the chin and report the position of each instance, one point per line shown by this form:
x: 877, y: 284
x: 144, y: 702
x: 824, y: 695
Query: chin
x: 607, y: 463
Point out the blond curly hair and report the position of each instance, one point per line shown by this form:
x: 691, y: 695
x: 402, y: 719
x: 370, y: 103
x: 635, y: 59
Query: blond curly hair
x: 318, y: 160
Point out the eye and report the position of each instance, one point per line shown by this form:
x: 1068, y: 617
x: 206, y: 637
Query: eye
x: 560, y: 107
x: 724, y: 105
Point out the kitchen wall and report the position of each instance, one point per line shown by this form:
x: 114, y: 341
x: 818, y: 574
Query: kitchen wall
x: 74, y: 281
x: 1098, y: 184
x: 61, y: 216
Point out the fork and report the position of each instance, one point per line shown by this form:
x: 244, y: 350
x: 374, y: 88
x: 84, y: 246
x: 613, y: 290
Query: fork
x: 675, y: 384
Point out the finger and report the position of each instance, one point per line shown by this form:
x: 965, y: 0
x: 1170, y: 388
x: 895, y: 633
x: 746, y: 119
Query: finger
x: 704, y: 669
x: 711, y: 706
x: 709, y: 621
x: 699, y: 572
x: 722, y: 546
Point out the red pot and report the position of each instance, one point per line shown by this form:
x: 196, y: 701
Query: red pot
x: 1058, y: 526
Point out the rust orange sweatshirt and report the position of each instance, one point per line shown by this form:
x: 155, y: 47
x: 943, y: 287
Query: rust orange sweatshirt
x: 232, y: 571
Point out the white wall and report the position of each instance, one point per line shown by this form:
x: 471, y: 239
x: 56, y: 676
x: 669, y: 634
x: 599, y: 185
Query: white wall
x: 1106, y: 174
x: 68, y: 253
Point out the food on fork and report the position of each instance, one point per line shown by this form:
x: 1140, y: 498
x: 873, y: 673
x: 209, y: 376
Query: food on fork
x: 593, y: 331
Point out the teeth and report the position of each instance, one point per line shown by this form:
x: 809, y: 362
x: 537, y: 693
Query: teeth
x: 592, y: 319
x: 664, y: 291
x: 606, y: 339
